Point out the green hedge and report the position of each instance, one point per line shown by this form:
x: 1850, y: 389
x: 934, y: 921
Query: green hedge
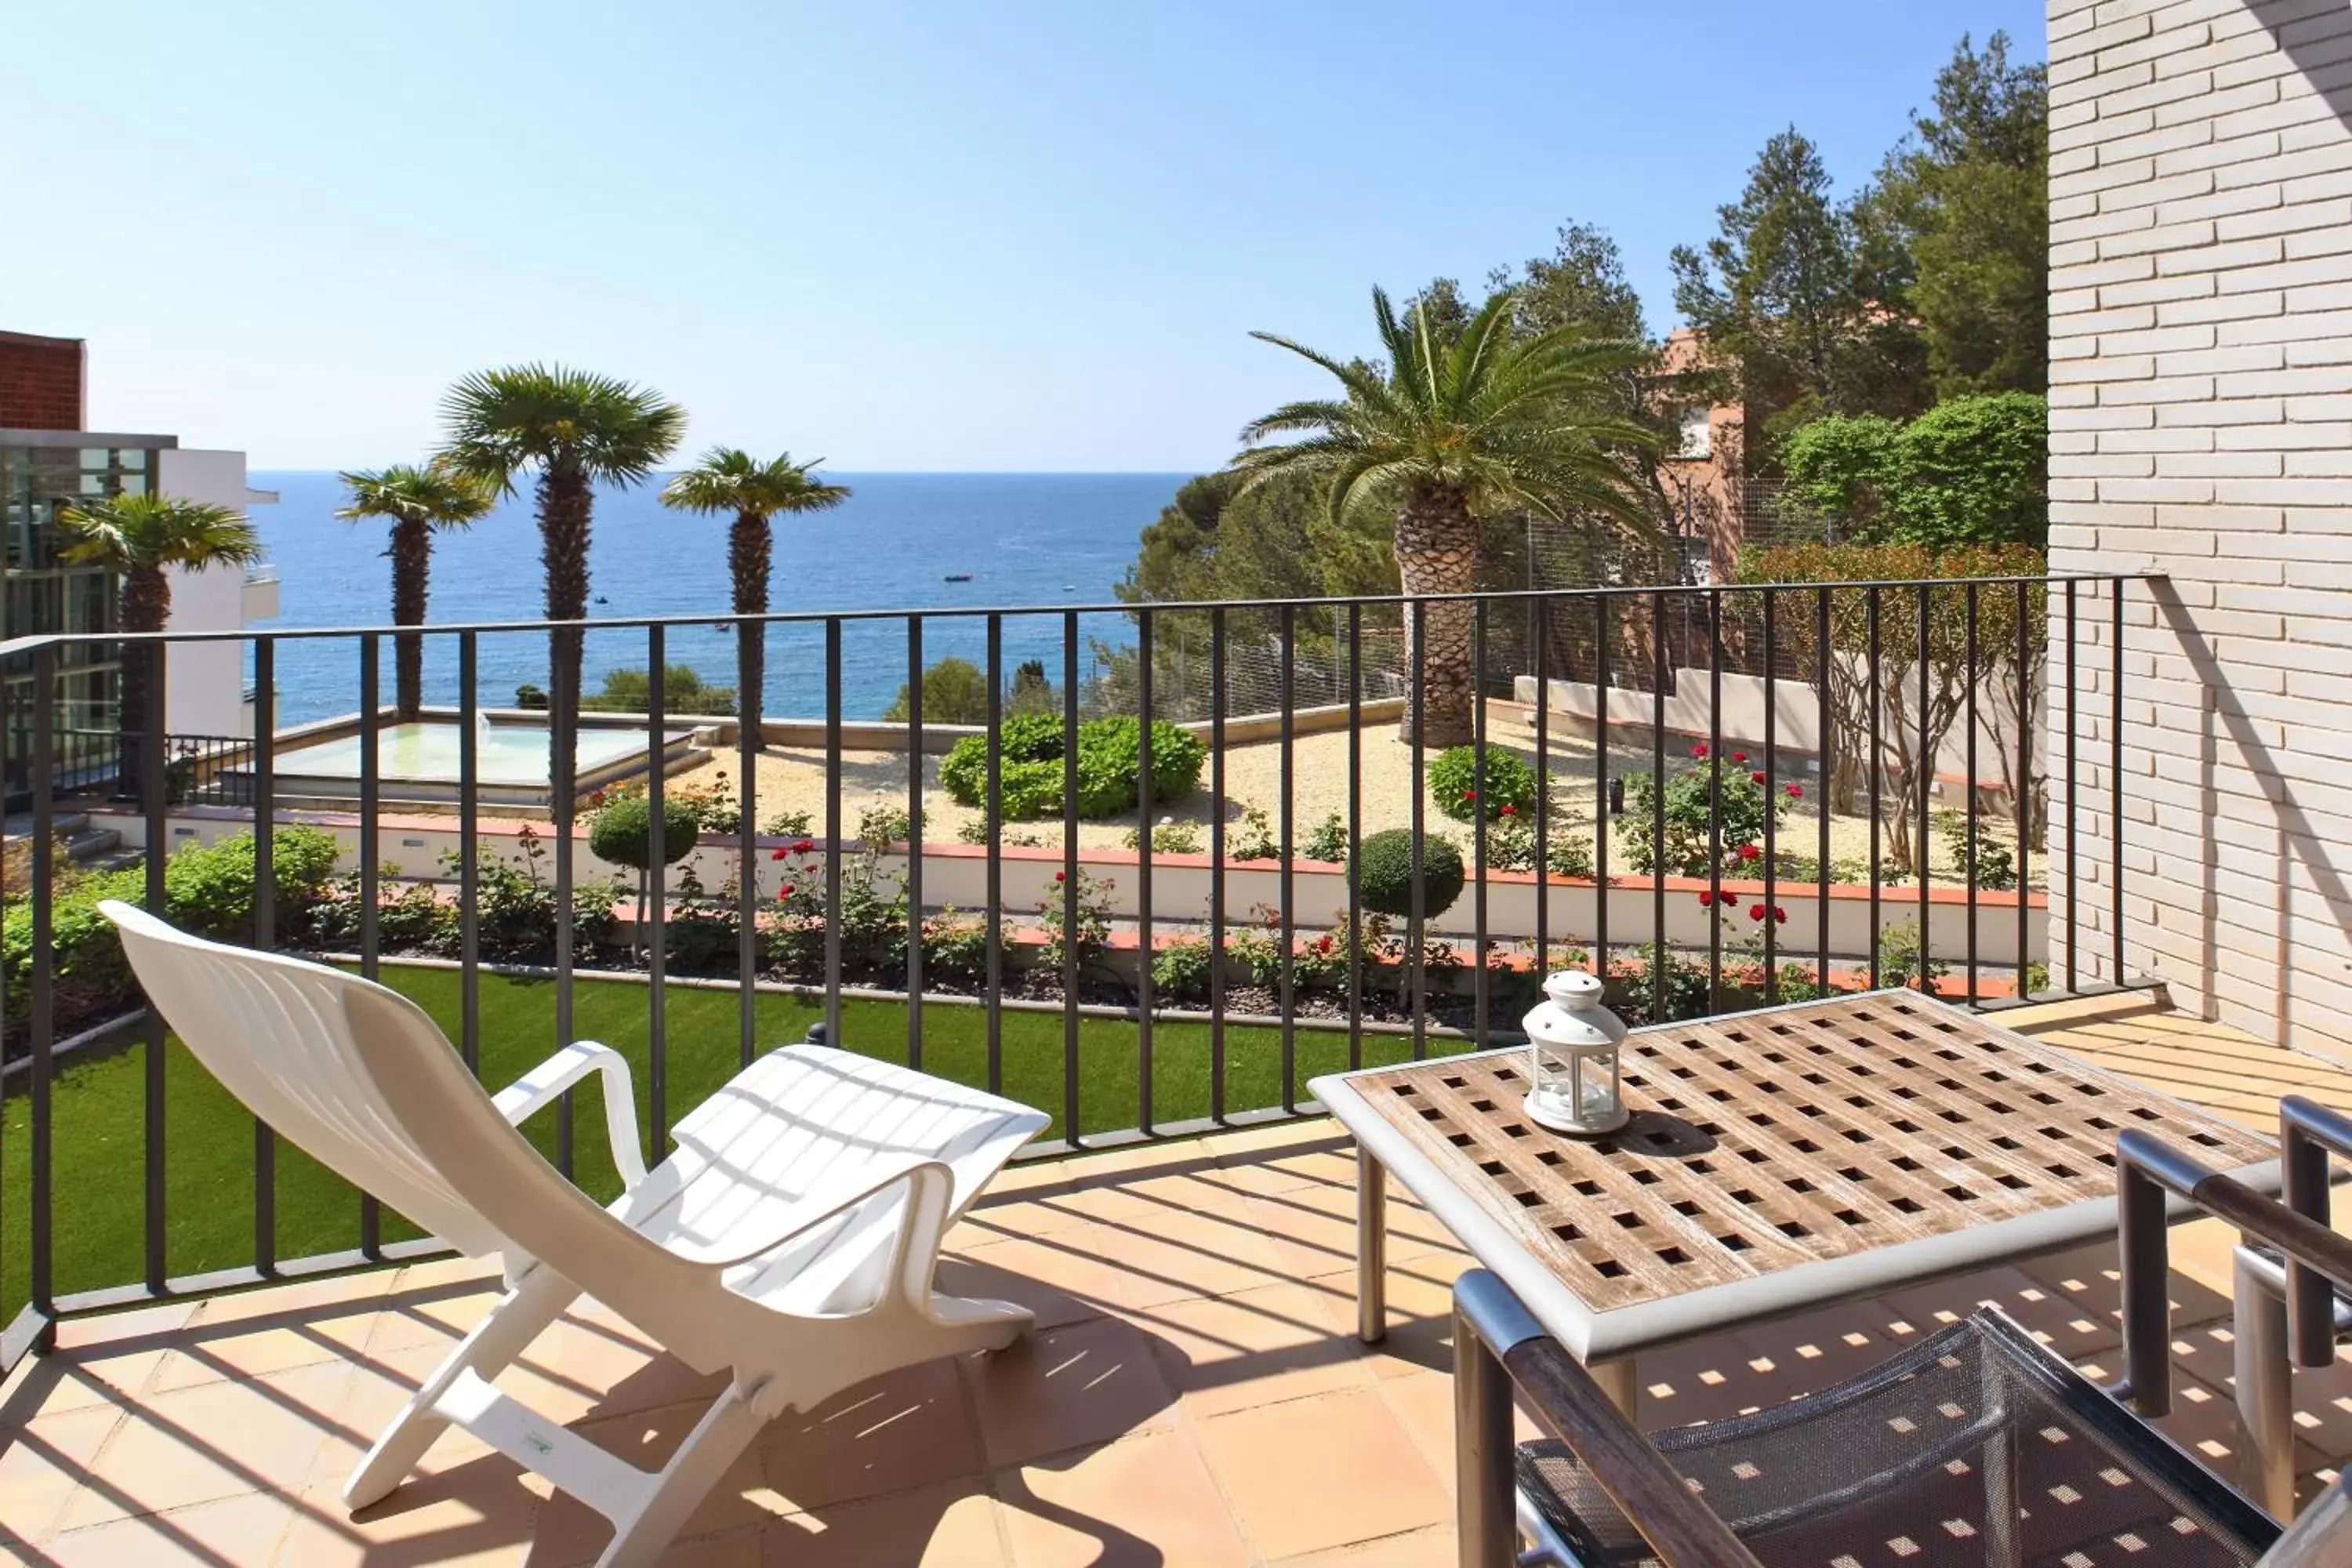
x: 1462, y: 795
x: 1110, y: 761
x: 207, y: 889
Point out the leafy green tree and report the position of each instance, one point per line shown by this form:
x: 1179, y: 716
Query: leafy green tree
x: 1173, y: 560
x: 1964, y: 203
x: 728, y: 480
x: 575, y: 430
x: 415, y: 500
x: 1972, y: 471
x: 955, y: 692
x: 631, y: 691
x: 140, y: 539
x: 1794, y: 311
x: 1441, y: 432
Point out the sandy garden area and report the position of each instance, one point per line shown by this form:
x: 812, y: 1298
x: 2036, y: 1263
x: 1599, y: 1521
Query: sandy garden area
x: 793, y: 779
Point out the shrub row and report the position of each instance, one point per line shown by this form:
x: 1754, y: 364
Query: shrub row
x: 1109, y: 766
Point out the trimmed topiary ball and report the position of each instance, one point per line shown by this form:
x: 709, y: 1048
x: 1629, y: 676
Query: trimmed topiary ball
x: 622, y: 832
x: 1386, y: 873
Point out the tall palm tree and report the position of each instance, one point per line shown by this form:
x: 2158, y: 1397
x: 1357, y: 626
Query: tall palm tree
x: 728, y: 480
x: 415, y: 500
x: 141, y: 538
x: 1445, y: 432
x: 577, y: 430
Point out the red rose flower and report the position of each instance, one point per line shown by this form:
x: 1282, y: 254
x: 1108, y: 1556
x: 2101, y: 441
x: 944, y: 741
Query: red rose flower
x: 1511, y: 810
x: 1756, y: 778
x: 1796, y: 792
x: 778, y: 854
x: 1749, y: 852
x: 1780, y: 915
x: 784, y: 892
x: 1469, y: 795
x: 1755, y: 911
x: 1738, y: 756
x: 1705, y: 899
x: 1699, y: 750
x: 1058, y: 875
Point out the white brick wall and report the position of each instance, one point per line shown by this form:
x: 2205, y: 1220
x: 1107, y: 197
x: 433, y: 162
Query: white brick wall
x: 2200, y: 158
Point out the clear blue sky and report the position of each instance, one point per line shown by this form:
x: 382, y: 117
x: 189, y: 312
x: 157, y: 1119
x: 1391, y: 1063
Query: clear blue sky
x: 1015, y: 236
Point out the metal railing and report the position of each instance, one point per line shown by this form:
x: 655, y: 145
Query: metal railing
x: 1685, y: 915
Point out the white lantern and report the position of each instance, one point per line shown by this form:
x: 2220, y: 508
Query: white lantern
x: 1576, y: 1079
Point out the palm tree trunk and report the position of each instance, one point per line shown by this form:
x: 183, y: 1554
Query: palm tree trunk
x: 1437, y: 552
x: 412, y: 561
x: 564, y: 502
x: 747, y: 561
x: 146, y: 605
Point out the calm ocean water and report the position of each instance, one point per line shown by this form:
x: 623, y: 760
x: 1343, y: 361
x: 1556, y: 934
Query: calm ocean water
x: 1026, y: 538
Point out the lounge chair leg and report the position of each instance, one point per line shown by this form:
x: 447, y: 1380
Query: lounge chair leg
x: 493, y: 1345
x: 700, y: 1464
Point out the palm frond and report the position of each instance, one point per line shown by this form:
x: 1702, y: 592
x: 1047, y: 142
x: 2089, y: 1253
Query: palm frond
x: 132, y: 532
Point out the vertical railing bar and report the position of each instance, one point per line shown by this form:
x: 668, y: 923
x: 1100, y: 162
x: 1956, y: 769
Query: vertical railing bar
x: 370, y: 792
x: 2022, y: 806
x: 1824, y: 768
x: 265, y: 926
x: 1415, y: 935
x: 1771, y: 772
x: 469, y: 920
x: 832, y: 831
x: 563, y: 715
x: 2115, y: 775
x: 748, y: 955
x: 1069, y: 877
x: 1146, y: 1002
x: 992, y: 816
x: 1714, y: 799
x: 1355, y: 833
x: 1217, y: 863
x: 42, y: 1023
x: 1877, y: 766
x: 1288, y: 676
x: 1968, y: 781
x: 1660, y: 657
x: 2073, y: 976
x: 653, y: 917
x: 1927, y: 766
x: 155, y: 1090
x: 914, y: 883
x: 1539, y: 662
x: 1601, y: 684
x: 1478, y: 809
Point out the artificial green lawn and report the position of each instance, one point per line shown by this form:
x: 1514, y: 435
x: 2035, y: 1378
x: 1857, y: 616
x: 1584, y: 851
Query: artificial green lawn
x: 98, y: 1107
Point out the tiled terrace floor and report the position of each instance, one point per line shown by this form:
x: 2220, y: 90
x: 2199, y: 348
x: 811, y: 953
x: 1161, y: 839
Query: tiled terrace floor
x: 1194, y: 1394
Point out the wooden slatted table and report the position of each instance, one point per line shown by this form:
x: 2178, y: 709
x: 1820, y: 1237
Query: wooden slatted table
x: 1776, y: 1162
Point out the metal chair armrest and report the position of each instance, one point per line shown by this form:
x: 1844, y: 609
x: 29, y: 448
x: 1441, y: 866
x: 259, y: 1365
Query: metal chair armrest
x: 546, y: 1083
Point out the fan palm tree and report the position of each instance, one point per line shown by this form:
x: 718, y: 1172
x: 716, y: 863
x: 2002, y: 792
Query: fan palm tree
x: 1446, y: 432
x: 415, y: 500
x: 141, y: 538
x: 575, y: 430
x: 728, y: 480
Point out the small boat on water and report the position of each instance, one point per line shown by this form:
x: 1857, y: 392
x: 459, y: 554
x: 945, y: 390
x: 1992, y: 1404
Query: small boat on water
x: 959, y: 576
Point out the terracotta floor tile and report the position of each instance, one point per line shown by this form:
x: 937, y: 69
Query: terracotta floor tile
x: 1068, y: 1388
x: 476, y: 1515
x: 232, y: 1530
x: 1147, y: 1199
x: 1432, y: 1548
x: 76, y: 1380
x: 1325, y: 1161
x: 1139, y: 1504
x: 953, y: 1525
x: 1313, y: 1473
x: 1063, y: 1278
x: 1188, y: 1255
x: 206, y: 1354
x: 120, y: 1328
x: 585, y: 1366
x: 1314, y: 1229
x: 443, y: 1315
x: 909, y: 1428
x: 1040, y: 1215
x: 219, y: 1440
x: 44, y: 1459
x: 1230, y: 1353
x: 1420, y: 1314
x: 1423, y: 1404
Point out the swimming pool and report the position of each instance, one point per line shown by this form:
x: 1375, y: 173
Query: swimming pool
x: 419, y: 760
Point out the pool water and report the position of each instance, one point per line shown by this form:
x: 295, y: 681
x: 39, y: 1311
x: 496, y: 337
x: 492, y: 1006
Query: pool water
x: 510, y: 756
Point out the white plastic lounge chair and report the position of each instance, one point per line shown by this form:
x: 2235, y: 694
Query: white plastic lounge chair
x: 789, y: 1242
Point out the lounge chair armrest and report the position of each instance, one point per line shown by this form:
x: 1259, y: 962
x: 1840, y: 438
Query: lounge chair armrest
x: 831, y: 1198
x: 545, y: 1083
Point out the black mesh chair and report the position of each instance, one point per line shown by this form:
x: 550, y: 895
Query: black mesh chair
x: 1976, y: 1446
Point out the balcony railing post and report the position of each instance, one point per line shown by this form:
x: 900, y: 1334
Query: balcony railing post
x: 915, y: 831
x: 371, y: 786
x: 264, y: 796
x: 992, y: 819
x: 154, y: 791
x: 41, y: 1024
x: 1073, y: 940
x: 1146, y: 1001
x: 654, y: 926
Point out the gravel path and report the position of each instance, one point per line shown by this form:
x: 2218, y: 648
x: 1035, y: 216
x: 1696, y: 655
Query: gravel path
x: 793, y: 779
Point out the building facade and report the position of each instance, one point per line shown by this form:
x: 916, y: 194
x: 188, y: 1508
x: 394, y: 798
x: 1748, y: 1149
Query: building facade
x: 2201, y: 432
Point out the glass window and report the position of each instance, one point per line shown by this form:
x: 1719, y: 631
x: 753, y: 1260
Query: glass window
x: 1697, y: 434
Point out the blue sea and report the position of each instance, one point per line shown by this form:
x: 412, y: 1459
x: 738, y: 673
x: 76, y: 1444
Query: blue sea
x: 1044, y: 540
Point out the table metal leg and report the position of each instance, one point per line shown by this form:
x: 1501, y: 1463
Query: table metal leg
x: 2266, y: 1381
x: 1617, y: 1379
x: 1372, y: 1247
x: 1486, y: 1505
